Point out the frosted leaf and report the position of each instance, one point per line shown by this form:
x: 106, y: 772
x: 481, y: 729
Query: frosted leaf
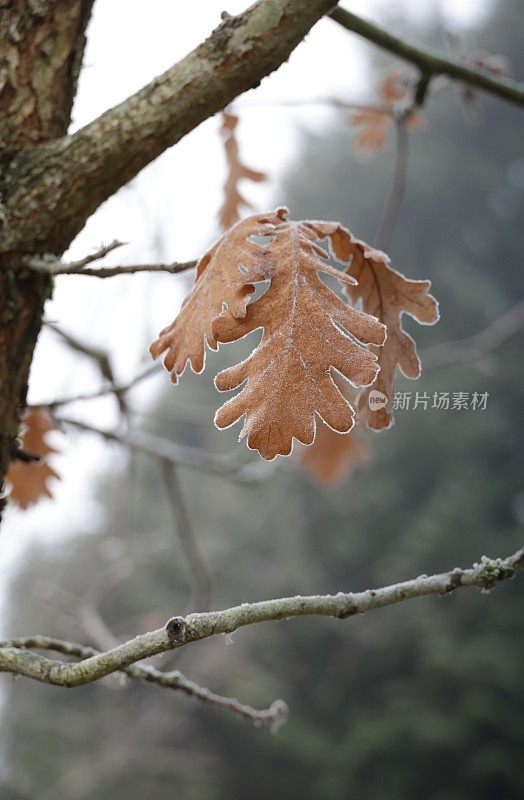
x: 289, y: 376
x: 219, y: 282
x: 388, y: 294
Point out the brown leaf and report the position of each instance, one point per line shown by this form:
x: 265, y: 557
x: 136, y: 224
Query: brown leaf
x: 374, y: 129
x: 29, y: 481
x: 334, y: 456
x: 387, y: 294
x: 233, y: 200
x: 219, y: 280
x: 393, y: 86
x: 289, y: 375
x: 374, y: 123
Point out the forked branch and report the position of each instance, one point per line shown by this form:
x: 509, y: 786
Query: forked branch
x: 275, y: 716
x: 430, y: 62
x: 55, y: 266
x: 180, y: 631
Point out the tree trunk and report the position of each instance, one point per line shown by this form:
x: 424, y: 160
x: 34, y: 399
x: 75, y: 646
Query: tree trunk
x: 42, y: 43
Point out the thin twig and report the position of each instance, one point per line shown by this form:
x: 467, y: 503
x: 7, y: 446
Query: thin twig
x: 121, y: 389
x: 333, y: 102
x: 481, y: 344
x: 200, y: 577
x: 398, y: 188
x: 55, y: 266
x: 430, y: 62
x: 96, y: 354
x: 49, y: 262
x: 174, y: 453
x: 131, y: 269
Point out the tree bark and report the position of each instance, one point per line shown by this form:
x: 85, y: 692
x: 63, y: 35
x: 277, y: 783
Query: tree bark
x: 42, y: 43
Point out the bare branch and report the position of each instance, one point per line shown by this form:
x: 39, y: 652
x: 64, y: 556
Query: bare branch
x: 275, y: 716
x: 430, y: 62
x: 96, y: 354
x: 55, y: 266
x: 478, y: 346
x: 201, y: 579
x: 100, y: 357
x: 180, y: 631
x: 333, y: 102
x: 398, y: 187
x: 130, y: 269
x: 117, y: 390
x: 173, y: 453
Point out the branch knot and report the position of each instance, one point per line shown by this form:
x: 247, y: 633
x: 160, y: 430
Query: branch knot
x: 176, y: 629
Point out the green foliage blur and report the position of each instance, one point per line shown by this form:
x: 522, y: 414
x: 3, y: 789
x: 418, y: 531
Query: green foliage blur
x: 423, y: 700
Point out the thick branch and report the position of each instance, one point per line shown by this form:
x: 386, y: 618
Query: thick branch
x: 180, y: 631
x: 429, y: 62
x: 70, y: 178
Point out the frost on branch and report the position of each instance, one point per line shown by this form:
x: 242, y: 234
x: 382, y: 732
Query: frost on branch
x: 233, y: 200
x: 387, y: 294
x: 29, y: 481
x: 288, y: 377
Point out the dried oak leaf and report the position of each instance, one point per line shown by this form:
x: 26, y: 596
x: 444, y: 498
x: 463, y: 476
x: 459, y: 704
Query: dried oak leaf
x: 220, y: 280
x: 233, y: 200
x: 334, y: 456
x: 387, y: 294
x: 374, y: 129
x: 374, y: 122
x: 29, y: 481
x: 288, y: 377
